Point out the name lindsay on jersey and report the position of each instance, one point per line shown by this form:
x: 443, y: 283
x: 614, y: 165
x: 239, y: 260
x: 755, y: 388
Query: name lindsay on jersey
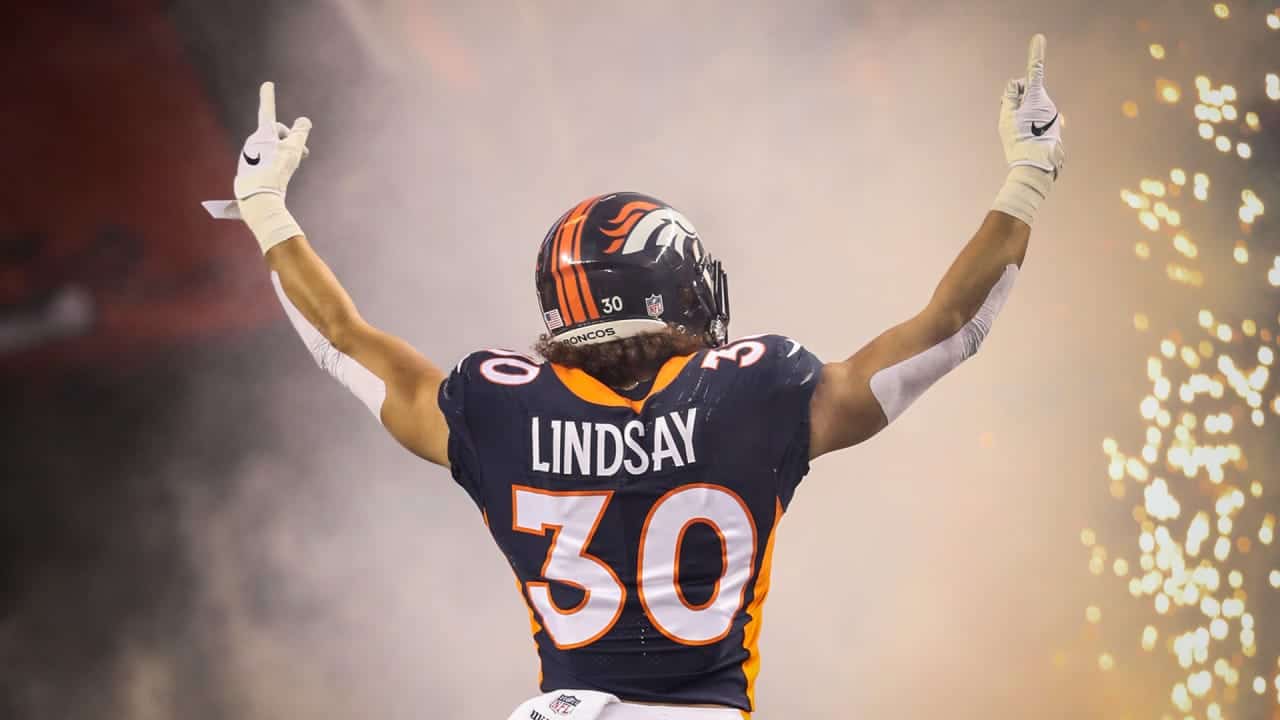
x: 570, y: 447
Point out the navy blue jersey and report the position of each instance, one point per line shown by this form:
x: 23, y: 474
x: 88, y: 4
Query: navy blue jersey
x: 640, y: 529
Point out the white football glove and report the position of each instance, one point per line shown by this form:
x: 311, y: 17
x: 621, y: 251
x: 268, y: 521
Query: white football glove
x: 1030, y: 126
x: 1031, y: 133
x: 266, y: 164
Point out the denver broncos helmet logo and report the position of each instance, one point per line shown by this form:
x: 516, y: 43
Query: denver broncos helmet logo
x: 639, y: 222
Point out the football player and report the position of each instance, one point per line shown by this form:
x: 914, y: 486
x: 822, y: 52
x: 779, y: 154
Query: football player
x: 635, y: 475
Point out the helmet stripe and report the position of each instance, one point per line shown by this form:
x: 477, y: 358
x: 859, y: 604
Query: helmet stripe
x: 585, y: 286
x: 568, y: 264
x: 554, y: 262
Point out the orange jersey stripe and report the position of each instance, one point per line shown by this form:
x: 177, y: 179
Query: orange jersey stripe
x: 751, y: 633
x: 593, y: 391
x: 534, y: 627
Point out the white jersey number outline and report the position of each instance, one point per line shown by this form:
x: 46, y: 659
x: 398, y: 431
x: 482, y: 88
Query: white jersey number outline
x: 572, y: 518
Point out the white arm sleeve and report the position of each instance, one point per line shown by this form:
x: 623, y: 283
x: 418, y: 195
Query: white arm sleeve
x: 353, y: 376
x: 897, y: 386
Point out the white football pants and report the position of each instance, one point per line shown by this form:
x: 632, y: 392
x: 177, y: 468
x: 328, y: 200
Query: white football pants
x: 589, y: 705
x: 632, y: 711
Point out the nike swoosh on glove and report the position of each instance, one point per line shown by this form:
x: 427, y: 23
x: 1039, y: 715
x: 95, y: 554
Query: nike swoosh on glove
x: 273, y: 152
x: 1030, y: 125
x: 270, y: 156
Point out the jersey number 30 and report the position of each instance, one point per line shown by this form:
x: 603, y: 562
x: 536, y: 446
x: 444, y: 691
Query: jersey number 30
x: 572, y: 518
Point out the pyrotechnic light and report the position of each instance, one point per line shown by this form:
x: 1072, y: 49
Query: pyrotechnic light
x: 1201, y: 523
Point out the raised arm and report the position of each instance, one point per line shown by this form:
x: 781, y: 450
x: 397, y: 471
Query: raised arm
x: 389, y: 376
x: 859, y: 396
x: 392, y: 379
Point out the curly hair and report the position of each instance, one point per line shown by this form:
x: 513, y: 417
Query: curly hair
x: 622, y: 363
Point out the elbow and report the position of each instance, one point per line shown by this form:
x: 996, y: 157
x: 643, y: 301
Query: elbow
x: 963, y: 331
x: 955, y: 321
x: 340, y: 328
x: 945, y: 321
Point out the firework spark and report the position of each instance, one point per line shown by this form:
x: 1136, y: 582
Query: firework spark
x: 1201, y: 550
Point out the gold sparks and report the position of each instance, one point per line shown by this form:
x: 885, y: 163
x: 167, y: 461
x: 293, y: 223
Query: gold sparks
x: 1205, y: 536
x: 1241, y: 252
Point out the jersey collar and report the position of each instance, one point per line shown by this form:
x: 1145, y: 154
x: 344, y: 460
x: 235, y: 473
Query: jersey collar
x: 591, y: 390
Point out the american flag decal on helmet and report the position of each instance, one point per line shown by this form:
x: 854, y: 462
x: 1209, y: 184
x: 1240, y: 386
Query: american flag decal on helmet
x: 553, y: 319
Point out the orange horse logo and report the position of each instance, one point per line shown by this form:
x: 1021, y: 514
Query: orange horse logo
x: 639, y: 221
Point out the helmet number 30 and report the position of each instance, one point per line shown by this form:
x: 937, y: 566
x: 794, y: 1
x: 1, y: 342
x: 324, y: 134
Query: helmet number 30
x: 572, y: 518
x: 611, y: 304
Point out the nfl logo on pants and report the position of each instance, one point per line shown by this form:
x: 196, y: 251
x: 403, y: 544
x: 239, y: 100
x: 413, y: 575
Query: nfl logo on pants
x: 564, y: 704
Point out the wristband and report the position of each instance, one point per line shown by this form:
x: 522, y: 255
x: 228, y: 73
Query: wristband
x: 1024, y: 189
x: 268, y: 219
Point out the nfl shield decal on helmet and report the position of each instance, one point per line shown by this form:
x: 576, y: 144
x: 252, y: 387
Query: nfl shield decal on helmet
x: 564, y: 704
x: 653, y: 305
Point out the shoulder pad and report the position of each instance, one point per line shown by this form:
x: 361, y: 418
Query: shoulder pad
x: 753, y: 349
x: 500, y: 367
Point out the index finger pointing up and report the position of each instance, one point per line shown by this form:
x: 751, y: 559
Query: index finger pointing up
x: 1035, y: 60
x: 267, y: 106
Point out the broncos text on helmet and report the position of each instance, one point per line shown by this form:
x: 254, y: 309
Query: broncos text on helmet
x: 621, y: 264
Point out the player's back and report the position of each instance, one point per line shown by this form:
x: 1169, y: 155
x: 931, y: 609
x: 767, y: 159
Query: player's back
x: 640, y: 528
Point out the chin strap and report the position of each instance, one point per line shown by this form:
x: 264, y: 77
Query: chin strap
x: 718, y: 332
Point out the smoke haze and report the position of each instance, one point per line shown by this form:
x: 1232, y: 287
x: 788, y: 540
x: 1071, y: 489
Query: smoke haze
x: 285, y: 558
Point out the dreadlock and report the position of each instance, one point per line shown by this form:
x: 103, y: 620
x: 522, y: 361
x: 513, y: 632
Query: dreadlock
x: 622, y: 363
